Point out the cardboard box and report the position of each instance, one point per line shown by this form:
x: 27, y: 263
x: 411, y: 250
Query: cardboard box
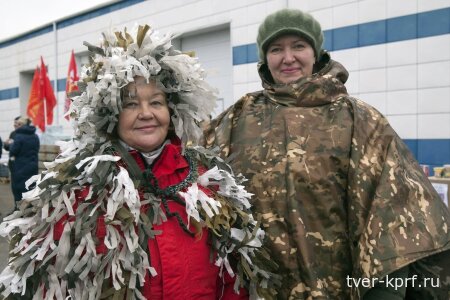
x: 47, y: 153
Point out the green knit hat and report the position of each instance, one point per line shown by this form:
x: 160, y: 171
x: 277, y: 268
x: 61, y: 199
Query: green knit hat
x: 289, y: 21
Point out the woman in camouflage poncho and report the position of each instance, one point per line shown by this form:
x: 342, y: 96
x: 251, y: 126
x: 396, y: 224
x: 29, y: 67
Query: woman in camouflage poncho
x: 344, y: 203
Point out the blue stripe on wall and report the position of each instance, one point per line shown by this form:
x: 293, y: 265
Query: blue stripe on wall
x: 432, y: 152
x: 402, y: 28
x: 252, y: 52
x: 240, y: 55
x: 9, y: 93
x: 433, y: 23
x: 96, y: 13
x: 27, y: 36
x: 244, y: 53
x: 61, y: 85
x: 327, y: 39
x: 13, y: 93
x: 425, y: 24
x: 72, y: 20
x: 412, y: 145
x: 345, y: 37
x: 372, y: 33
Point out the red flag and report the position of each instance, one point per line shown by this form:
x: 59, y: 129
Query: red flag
x: 41, y: 95
x: 72, y: 78
x: 47, y: 93
x: 35, y: 109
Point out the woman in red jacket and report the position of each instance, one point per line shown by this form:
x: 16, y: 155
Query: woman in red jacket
x: 132, y: 208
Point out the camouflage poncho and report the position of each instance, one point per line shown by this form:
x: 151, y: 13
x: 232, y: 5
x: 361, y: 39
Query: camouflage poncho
x: 340, y: 194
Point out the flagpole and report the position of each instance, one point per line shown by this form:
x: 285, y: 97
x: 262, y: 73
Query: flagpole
x: 45, y: 104
x: 45, y: 114
x: 43, y: 88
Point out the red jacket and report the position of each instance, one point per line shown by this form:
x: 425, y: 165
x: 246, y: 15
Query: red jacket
x: 181, y: 261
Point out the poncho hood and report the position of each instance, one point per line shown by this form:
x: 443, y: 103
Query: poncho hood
x: 318, y: 89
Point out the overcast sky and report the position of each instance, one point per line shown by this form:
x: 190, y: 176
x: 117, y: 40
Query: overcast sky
x: 19, y: 16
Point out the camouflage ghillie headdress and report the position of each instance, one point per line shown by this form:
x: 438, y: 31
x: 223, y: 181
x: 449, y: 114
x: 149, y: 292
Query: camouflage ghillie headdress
x: 141, y: 52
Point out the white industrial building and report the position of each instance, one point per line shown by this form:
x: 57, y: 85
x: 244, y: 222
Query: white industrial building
x: 397, y: 53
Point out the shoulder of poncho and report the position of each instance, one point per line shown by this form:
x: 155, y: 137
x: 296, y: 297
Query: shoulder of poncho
x: 361, y: 109
x: 255, y: 94
x: 232, y: 112
x: 248, y: 97
x: 358, y: 104
x: 245, y: 100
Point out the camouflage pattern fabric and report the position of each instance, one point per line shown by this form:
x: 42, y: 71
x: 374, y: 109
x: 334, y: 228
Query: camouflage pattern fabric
x: 340, y: 194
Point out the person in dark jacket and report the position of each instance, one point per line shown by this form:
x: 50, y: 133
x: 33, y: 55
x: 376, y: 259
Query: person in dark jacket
x: 9, y: 141
x: 23, y: 153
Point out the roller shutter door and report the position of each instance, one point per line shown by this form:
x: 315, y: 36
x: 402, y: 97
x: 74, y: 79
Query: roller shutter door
x: 214, y: 52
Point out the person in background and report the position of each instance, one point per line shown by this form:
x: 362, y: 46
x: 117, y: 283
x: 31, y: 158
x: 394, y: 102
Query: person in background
x: 23, y: 156
x: 11, y: 135
x: 9, y: 141
x: 132, y: 208
x: 342, y: 198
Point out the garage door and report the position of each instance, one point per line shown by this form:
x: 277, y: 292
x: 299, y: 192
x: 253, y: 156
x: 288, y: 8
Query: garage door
x: 214, y: 52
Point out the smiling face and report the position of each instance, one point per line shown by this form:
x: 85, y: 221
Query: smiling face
x: 289, y: 58
x: 145, y: 118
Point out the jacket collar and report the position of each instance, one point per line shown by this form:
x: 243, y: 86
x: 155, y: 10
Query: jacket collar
x: 26, y: 129
x: 169, y: 161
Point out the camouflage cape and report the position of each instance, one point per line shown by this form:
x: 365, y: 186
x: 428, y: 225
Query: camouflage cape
x: 340, y: 194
